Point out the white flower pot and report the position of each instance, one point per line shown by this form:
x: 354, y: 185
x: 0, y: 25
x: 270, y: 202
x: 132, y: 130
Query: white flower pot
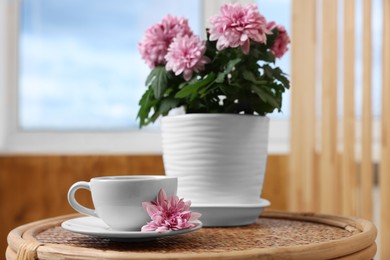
x: 219, y: 159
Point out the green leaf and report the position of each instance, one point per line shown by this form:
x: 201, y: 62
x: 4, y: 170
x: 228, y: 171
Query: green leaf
x: 283, y: 79
x: 268, y: 71
x: 231, y: 65
x: 268, y: 57
x: 167, y: 104
x: 266, y: 97
x: 150, y: 77
x: 146, y: 104
x: 272, y: 37
x: 159, y: 84
x: 154, y: 117
x: 192, y: 89
x: 220, y: 78
x: 248, y: 75
x: 210, y: 87
x: 260, y: 92
x: 187, y: 91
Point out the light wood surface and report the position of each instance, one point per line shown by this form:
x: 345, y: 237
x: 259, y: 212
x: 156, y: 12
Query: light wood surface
x: 341, y: 180
x: 301, y: 178
x: 366, y: 173
x: 348, y: 173
x: 330, y: 192
x: 384, y: 178
x: 350, y: 238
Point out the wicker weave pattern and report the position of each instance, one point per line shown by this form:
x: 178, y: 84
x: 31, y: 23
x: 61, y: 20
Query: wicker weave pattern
x: 276, y: 235
x: 265, y: 233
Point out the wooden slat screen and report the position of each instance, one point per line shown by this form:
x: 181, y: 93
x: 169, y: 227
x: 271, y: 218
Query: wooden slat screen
x: 384, y: 180
x: 334, y: 178
x: 348, y: 174
x: 366, y: 173
x: 303, y: 114
x: 329, y: 179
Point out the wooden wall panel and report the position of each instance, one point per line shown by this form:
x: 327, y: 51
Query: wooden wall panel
x: 367, y: 170
x: 330, y: 192
x: 384, y: 176
x: 303, y: 50
x: 348, y: 172
x: 277, y: 182
x: 35, y: 187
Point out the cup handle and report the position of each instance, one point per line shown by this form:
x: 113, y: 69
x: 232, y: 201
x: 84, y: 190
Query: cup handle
x: 73, y: 202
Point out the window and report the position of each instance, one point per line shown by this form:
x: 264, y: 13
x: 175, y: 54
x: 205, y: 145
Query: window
x: 280, y: 12
x: 80, y: 68
x: 73, y: 75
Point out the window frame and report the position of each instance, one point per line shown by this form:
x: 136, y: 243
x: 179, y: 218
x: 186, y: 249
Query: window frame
x: 14, y: 140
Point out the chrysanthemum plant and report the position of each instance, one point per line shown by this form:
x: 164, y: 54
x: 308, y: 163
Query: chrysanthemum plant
x: 232, y: 71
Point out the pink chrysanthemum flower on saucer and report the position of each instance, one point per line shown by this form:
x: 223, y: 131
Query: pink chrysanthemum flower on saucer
x: 186, y: 55
x: 280, y: 46
x: 236, y: 25
x: 169, y: 213
x: 157, y: 38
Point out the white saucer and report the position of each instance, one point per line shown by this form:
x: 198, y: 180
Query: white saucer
x: 225, y: 215
x: 96, y: 227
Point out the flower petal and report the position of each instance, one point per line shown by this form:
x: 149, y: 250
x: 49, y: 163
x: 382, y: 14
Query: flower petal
x: 195, y: 216
x: 236, y: 24
x: 162, y: 197
x: 162, y: 229
x: 245, y: 47
x: 186, y: 55
x: 151, y: 209
x: 154, y: 46
x: 169, y: 213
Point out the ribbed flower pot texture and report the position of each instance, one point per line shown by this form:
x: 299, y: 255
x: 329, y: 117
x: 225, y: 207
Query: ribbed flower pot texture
x: 219, y: 159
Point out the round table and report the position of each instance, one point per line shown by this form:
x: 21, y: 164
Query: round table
x: 275, y: 235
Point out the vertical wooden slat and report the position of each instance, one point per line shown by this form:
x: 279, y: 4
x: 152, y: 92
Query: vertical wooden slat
x: 277, y: 165
x: 329, y: 190
x: 349, y: 181
x: 366, y: 176
x: 384, y: 177
x: 303, y: 105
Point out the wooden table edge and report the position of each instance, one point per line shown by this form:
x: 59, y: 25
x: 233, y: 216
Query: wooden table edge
x: 327, y: 250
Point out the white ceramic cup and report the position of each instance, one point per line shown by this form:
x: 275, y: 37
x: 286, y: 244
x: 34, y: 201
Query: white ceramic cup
x: 118, y: 199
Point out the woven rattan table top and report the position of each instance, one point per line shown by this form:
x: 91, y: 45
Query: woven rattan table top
x: 274, y: 234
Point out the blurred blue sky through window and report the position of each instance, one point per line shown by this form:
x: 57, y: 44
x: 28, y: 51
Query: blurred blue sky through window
x: 279, y: 11
x: 79, y: 63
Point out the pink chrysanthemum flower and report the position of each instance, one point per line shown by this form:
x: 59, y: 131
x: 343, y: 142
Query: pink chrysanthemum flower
x: 186, y: 55
x: 236, y: 25
x: 157, y: 38
x: 280, y: 46
x: 169, y: 213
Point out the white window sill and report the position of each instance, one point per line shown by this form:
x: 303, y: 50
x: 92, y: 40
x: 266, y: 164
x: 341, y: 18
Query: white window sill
x: 121, y: 142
